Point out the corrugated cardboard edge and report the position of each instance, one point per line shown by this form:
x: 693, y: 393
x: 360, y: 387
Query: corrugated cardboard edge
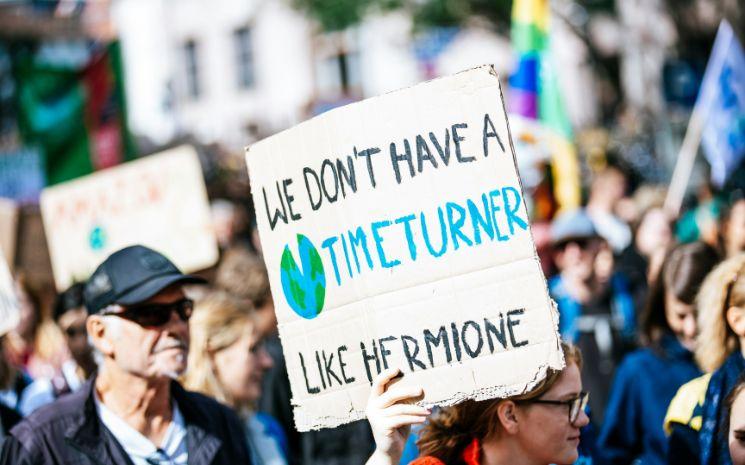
x: 306, y: 423
x: 554, y: 306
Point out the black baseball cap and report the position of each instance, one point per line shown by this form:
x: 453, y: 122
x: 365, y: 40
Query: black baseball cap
x: 130, y: 276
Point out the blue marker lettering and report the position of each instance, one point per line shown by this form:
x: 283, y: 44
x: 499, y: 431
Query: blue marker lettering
x: 479, y: 221
x: 455, y: 226
x: 406, y: 220
x: 443, y: 234
x: 511, y: 210
x: 494, y: 210
x: 346, y: 254
x: 328, y: 244
x: 376, y: 226
x: 360, y: 238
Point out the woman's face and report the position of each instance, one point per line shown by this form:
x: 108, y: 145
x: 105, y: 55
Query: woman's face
x: 734, y: 231
x: 681, y: 317
x: 545, y: 432
x: 240, y: 367
x: 29, y: 318
x: 736, y: 435
x: 654, y: 232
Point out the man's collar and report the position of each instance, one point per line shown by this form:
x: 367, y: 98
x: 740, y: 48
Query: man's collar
x: 202, y: 445
x: 87, y: 433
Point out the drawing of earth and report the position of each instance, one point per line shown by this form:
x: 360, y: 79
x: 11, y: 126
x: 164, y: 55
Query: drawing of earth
x: 304, y: 287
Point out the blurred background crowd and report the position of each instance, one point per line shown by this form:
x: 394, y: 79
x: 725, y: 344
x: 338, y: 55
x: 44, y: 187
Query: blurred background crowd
x: 600, y: 104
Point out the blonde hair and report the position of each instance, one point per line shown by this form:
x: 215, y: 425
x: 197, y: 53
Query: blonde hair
x: 716, y: 340
x: 218, y: 321
x: 48, y: 345
x: 449, y: 431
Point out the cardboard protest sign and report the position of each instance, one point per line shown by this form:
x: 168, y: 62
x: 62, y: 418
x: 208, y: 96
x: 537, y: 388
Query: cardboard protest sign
x: 9, y: 310
x: 8, y: 230
x: 159, y: 201
x: 395, y: 235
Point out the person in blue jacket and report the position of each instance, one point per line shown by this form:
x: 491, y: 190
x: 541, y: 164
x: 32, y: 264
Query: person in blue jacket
x: 648, y: 378
x: 596, y: 307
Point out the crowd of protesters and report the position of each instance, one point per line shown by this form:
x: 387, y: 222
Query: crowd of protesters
x: 142, y: 364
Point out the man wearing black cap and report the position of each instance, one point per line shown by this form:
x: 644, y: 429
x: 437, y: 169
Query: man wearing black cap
x: 133, y: 412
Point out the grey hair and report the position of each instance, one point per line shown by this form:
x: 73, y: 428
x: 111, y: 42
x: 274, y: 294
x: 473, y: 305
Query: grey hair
x: 113, y: 326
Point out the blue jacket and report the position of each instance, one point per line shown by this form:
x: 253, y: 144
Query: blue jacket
x: 622, y: 307
x: 645, y: 383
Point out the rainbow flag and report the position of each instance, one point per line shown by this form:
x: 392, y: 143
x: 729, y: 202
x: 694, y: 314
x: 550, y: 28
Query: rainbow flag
x: 534, y: 94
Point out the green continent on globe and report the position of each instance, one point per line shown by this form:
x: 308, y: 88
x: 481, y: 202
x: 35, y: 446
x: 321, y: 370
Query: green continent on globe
x: 290, y: 269
x: 304, y: 286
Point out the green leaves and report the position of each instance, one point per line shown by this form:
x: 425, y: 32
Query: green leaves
x: 336, y: 15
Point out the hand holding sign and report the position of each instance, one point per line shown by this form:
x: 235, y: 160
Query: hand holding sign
x: 396, y: 236
x: 391, y: 413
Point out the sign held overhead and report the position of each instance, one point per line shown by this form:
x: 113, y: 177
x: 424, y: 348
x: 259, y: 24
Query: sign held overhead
x: 395, y: 234
x: 159, y: 201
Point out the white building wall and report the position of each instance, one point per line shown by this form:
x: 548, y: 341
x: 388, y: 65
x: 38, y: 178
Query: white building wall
x: 147, y: 66
x: 153, y: 33
x: 291, y: 63
x: 386, y: 60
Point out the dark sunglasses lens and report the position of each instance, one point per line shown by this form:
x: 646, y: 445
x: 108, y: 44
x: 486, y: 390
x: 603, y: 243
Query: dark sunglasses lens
x: 155, y: 315
x: 158, y: 315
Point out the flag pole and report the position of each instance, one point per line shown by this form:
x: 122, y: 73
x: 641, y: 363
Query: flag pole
x: 684, y: 164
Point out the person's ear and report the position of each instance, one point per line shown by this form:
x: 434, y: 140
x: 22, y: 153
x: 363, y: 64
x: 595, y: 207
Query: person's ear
x: 736, y: 320
x: 507, y: 414
x: 100, y: 335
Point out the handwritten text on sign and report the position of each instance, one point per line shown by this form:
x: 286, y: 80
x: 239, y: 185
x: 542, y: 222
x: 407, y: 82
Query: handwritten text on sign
x: 395, y: 234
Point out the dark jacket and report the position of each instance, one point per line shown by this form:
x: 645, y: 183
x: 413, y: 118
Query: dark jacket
x: 645, y: 383
x: 70, y: 432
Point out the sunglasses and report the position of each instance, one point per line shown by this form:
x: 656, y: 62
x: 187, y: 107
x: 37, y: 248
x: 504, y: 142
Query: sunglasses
x: 576, y: 404
x: 154, y: 314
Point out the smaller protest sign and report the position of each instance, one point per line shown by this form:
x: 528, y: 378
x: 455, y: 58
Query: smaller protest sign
x: 8, y: 229
x: 9, y: 310
x: 159, y: 201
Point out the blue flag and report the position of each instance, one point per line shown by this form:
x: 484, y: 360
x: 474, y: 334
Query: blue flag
x: 722, y: 102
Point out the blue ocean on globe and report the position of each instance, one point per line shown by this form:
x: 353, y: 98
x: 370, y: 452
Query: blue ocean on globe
x: 304, y: 287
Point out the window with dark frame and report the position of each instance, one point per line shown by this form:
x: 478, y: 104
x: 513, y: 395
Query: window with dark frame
x: 193, y: 88
x: 244, y: 58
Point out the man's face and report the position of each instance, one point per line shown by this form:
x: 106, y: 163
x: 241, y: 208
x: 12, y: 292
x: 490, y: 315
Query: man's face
x: 151, y: 351
x: 72, y: 324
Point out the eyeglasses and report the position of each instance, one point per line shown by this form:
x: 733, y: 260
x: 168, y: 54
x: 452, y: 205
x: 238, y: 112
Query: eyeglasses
x: 576, y: 404
x: 154, y: 314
